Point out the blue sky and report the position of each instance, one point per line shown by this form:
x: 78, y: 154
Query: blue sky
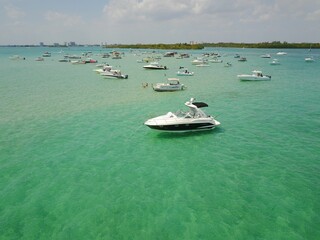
x: 158, y: 21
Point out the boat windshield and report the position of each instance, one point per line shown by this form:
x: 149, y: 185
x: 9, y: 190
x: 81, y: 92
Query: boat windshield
x: 183, y: 114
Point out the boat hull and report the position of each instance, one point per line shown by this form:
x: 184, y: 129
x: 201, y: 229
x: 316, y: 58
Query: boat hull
x: 155, y: 68
x: 183, y: 127
x: 162, y: 123
x: 168, y: 89
x: 185, y: 74
x: 253, y: 78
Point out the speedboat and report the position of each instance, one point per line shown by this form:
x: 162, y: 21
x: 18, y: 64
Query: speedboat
x: 255, y: 76
x: 281, y: 53
x: 184, y: 72
x: 242, y: 59
x: 105, y: 68
x: 215, y: 60
x: 114, y: 74
x: 275, y: 62
x: 265, y: 56
x: 39, y: 59
x: 172, y: 85
x: 155, y: 66
x: 199, y: 61
x: 309, y: 59
x: 46, y: 54
x: 203, y: 65
x: 228, y: 64
x: 193, y: 120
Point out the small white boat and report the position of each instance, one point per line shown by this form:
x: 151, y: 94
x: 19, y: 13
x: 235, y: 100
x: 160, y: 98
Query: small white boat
x: 199, y: 61
x: 184, y: 72
x: 275, y: 62
x: 203, y: 65
x: 39, y: 59
x: 155, y: 66
x: 17, y: 57
x: 114, y: 74
x: 104, y: 69
x: 64, y: 60
x: 78, y: 62
x: 46, y: 54
x: 228, y: 64
x: 242, y: 59
x: 265, y: 56
x: 172, y: 85
x: 215, y: 60
x: 255, y: 76
x: 193, y: 120
x: 281, y: 53
x: 309, y: 59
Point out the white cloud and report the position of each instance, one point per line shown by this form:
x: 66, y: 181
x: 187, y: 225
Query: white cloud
x: 313, y: 16
x: 63, y: 19
x: 13, y: 12
x: 155, y: 10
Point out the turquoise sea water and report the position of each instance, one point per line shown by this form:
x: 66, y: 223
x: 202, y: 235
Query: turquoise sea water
x: 76, y: 161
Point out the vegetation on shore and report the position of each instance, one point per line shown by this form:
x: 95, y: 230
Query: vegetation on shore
x: 184, y: 46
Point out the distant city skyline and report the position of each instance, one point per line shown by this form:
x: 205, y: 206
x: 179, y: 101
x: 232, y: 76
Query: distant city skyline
x: 153, y: 21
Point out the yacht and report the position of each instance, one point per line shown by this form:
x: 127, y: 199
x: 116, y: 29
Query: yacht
x: 172, y: 85
x: 193, y: 120
x: 114, y: 74
x: 281, y: 53
x: 255, y: 76
x: 242, y: 59
x: 184, y: 72
x: 199, y: 61
x: 155, y: 66
x: 275, y: 62
x: 215, y: 60
x: 309, y: 59
x: 265, y: 56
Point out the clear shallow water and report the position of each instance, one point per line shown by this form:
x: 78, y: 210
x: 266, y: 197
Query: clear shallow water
x: 77, y: 162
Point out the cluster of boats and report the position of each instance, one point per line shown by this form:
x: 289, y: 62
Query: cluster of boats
x: 255, y: 76
x: 106, y: 71
x: 195, y: 118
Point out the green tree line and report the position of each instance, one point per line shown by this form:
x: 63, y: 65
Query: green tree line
x: 184, y: 46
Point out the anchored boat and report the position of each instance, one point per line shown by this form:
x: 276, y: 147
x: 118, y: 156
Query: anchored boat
x: 193, y: 120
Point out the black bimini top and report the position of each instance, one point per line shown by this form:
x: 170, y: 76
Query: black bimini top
x: 200, y: 104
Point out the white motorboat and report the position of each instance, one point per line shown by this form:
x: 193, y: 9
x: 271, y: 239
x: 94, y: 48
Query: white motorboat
x: 203, y: 65
x: 265, y: 56
x: 193, y: 120
x: 172, y: 85
x: 155, y: 66
x: 309, y: 59
x: 228, y: 64
x: 281, y: 53
x: 255, y: 76
x: 39, y: 59
x: 215, y: 60
x: 46, y: 54
x: 105, y: 68
x: 242, y: 59
x: 275, y: 62
x: 199, y: 61
x: 114, y: 74
x: 17, y: 57
x: 184, y: 72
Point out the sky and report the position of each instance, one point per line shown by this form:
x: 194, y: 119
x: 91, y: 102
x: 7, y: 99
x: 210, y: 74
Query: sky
x: 158, y: 21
